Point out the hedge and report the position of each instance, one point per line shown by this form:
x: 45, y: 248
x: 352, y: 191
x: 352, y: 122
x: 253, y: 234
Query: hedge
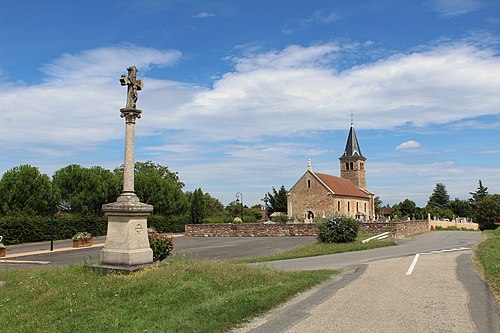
x: 163, y: 223
x: 19, y: 229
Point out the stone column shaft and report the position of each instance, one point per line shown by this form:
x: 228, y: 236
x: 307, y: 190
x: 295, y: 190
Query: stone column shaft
x: 129, y: 164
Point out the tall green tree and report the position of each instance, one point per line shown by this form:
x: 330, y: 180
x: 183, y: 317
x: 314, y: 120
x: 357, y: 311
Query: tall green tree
x: 197, y: 207
x: 23, y: 189
x: 378, y: 205
x: 85, y: 190
x: 213, y: 207
x: 156, y: 185
x: 407, y: 208
x: 277, y: 200
x: 439, y: 198
x: 149, y: 167
x: 461, y: 208
x: 480, y: 194
x: 488, y: 211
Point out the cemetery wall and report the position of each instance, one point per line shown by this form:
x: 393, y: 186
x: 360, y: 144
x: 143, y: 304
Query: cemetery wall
x: 397, y: 229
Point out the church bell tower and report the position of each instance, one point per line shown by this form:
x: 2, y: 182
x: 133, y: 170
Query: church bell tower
x: 352, y: 162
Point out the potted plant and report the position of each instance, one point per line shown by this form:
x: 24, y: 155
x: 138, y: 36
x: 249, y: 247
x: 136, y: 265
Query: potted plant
x: 82, y: 239
x: 2, y: 248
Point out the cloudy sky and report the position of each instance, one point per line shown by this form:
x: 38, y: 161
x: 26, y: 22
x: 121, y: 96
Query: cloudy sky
x: 239, y: 94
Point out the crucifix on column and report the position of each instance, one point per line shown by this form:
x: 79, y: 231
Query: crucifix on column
x: 130, y: 113
x: 133, y: 85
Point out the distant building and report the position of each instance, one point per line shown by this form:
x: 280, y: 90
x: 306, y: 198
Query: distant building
x: 321, y: 195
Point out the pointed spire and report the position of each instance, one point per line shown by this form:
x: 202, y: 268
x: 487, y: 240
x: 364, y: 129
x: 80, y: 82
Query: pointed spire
x: 309, y: 165
x: 352, y: 147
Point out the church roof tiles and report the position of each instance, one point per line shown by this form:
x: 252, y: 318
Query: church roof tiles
x: 340, y: 186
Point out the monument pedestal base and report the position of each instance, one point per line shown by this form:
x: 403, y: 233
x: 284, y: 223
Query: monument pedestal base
x: 127, y: 242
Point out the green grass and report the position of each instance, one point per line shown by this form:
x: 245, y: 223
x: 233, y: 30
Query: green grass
x: 182, y: 296
x: 488, y: 255
x: 318, y: 249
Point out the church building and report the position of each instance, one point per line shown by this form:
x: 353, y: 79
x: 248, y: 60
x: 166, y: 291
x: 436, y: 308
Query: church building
x: 320, y: 195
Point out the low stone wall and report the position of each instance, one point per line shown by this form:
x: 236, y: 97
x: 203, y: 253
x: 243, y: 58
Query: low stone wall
x: 249, y: 230
x: 445, y: 224
x: 397, y: 229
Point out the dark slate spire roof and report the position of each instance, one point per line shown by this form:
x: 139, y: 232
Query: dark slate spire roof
x: 352, y: 147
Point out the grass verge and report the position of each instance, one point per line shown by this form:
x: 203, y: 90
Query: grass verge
x: 488, y: 255
x: 182, y: 296
x: 318, y: 249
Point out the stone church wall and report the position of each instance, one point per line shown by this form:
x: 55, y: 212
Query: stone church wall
x: 315, y: 198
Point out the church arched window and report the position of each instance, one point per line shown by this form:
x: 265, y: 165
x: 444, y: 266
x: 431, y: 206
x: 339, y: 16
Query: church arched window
x: 351, y: 166
x: 347, y: 165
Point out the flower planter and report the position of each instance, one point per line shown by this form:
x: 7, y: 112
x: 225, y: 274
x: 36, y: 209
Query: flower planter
x: 2, y: 251
x: 82, y: 242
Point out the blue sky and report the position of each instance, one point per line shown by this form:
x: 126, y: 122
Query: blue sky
x: 239, y: 94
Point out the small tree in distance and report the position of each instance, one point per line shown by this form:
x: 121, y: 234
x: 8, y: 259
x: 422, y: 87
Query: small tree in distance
x: 439, y: 198
x: 277, y: 200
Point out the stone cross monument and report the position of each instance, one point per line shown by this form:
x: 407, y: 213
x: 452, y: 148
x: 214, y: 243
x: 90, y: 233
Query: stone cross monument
x: 127, y: 244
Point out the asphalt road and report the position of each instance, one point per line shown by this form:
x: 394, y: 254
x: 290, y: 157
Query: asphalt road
x: 430, y: 241
x: 388, y: 290
x: 195, y: 247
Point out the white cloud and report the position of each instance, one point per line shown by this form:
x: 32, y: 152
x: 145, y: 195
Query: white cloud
x: 453, y: 8
x: 108, y: 61
x: 253, y: 110
x: 408, y: 145
x: 298, y: 90
x: 204, y: 15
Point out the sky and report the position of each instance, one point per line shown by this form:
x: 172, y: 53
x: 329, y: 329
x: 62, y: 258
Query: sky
x: 238, y: 95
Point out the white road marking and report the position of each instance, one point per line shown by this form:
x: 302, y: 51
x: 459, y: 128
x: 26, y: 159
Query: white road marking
x: 25, y: 262
x: 414, y: 262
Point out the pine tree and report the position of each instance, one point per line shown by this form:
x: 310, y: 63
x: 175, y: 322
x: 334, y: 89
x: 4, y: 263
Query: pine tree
x: 439, y: 198
x: 277, y: 201
x: 197, y: 207
x: 480, y: 194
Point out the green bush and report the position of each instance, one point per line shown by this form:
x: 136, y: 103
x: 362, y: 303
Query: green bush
x: 218, y: 219
x: 161, y: 244
x: 280, y: 218
x: 163, y: 223
x: 249, y: 218
x: 19, y: 229
x: 338, y: 230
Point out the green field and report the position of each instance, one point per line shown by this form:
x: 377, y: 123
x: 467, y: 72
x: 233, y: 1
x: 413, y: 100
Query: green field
x: 181, y: 296
x: 318, y: 249
x: 488, y: 255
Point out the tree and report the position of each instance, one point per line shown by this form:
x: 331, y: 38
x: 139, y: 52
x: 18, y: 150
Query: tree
x: 85, y: 190
x: 488, y: 211
x: 233, y: 209
x: 439, y: 198
x: 406, y: 208
x: 277, y: 200
x: 197, y: 207
x: 378, y: 205
x: 150, y: 167
x: 461, y: 207
x: 480, y: 194
x: 164, y: 193
x: 213, y: 207
x: 23, y: 189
